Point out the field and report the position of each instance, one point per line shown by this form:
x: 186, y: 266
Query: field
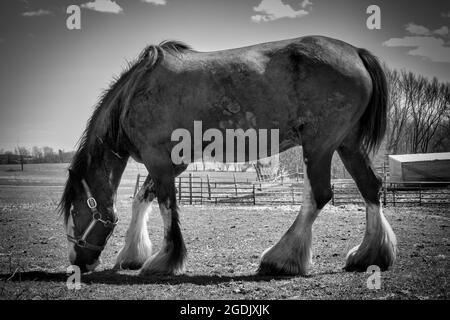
x: 224, y: 244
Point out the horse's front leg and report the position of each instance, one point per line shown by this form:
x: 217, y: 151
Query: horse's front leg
x: 138, y: 247
x: 292, y: 254
x: 171, y: 257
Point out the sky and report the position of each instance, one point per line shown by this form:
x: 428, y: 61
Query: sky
x: 51, y: 77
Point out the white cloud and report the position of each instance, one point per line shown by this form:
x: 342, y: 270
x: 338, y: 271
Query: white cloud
x: 103, y: 6
x: 428, y: 47
x: 442, y: 31
x: 270, y: 10
x: 417, y: 29
x: 306, y: 3
x: 40, y: 12
x: 156, y: 2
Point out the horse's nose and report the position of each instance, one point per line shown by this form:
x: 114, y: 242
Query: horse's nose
x: 91, y: 267
x: 83, y: 264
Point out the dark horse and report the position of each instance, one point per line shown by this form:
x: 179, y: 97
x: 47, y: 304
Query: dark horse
x: 320, y: 93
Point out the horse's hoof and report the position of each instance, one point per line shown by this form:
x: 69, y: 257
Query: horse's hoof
x: 128, y: 265
x: 163, y: 264
x: 275, y: 269
x: 359, y: 260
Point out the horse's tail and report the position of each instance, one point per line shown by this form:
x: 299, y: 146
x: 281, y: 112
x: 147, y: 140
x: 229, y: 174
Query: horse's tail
x: 373, y: 121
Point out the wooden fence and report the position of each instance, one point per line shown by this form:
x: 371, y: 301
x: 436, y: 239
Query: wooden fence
x: 202, y: 189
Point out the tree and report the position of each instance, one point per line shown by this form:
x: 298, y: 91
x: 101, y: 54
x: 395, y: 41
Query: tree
x: 418, y: 113
x: 398, y: 110
x: 428, y: 110
x: 22, y: 152
x: 37, y: 153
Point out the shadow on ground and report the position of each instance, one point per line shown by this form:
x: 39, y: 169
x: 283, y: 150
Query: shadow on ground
x: 118, y: 278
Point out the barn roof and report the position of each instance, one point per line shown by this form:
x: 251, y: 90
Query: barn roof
x: 416, y: 157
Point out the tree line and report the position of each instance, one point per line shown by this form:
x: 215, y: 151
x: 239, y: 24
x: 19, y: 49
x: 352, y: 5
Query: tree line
x: 419, y: 114
x: 35, y: 154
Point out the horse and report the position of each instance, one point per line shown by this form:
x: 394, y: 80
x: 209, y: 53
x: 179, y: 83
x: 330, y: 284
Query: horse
x: 322, y: 94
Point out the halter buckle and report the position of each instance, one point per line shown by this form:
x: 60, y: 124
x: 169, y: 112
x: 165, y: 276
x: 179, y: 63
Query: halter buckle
x: 91, y: 202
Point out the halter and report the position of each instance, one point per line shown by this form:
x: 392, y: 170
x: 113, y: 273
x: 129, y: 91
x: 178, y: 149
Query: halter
x: 96, y: 217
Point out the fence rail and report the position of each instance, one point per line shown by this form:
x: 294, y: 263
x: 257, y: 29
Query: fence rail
x: 196, y: 189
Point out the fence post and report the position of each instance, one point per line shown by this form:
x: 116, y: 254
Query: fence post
x: 179, y: 189
x: 136, y: 187
x: 254, y: 195
x: 201, y: 190
x: 190, y: 188
x: 235, y: 185
x: 292, y: 192
x: 209, y: 187
x: 393, y: 196
x: 384, y: 193
x: 420, y: 195
x: 332, y: 194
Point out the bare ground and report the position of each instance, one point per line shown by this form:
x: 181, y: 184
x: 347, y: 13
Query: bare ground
x: 224, y: 245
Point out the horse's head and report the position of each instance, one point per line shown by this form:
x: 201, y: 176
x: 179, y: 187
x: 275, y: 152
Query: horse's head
x: 90, y: 219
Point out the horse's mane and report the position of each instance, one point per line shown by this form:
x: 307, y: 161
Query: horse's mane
x: 113, y: 103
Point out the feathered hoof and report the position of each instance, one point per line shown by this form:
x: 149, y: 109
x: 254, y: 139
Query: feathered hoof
x: 360, y: 259
x: 275, y: 263
x: 128, y: 265
x: 163, y: 264
x: 133, y: 259
x: 271, y: 269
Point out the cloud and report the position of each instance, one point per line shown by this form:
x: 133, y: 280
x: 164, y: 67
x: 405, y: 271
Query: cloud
x: 2, y: 40
x: 445, y: 14
x: 306, y: 3
x: 428, y: 47
x: 40, y: 12
x: 156, y: 2
x: 109, y: 6
x: 442, y: 31
x: 270, y: 10
x: 417, y: 29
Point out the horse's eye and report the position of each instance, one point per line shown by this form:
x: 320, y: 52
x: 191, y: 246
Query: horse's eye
x: 73, y: 211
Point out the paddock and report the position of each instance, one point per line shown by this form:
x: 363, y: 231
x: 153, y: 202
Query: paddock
x: 224, y: 242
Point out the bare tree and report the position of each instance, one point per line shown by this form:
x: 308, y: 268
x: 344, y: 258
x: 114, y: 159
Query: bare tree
x: 427, y: 111
x: 37, y: 153
x: 418, y: 113
x: 398, y: 111
x: 23, y: 153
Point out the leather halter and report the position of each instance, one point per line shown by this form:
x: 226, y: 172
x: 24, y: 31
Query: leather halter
x: 96, y: 217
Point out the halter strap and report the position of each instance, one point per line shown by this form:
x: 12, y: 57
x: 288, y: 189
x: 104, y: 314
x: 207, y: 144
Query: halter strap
x: 96, y: 217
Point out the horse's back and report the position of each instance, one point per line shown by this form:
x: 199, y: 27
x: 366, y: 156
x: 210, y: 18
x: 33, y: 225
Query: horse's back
x: 281, y: 84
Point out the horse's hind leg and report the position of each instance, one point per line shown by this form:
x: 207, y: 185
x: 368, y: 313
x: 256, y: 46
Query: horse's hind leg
x: 292, y: 254
x: 138, y: 247
x: 379, y: 243
x: 171, y: 257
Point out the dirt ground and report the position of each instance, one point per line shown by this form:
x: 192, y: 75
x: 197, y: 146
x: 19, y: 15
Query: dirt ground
x: 224, y: 245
